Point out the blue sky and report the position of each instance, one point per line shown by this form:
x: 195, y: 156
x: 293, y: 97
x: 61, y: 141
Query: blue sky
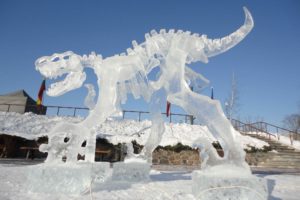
x: 266, y: 64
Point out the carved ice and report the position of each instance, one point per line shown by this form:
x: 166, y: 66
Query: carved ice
x: 89, y: 100
x: 127, y: 73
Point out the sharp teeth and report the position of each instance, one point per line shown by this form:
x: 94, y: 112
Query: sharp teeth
x: 147, y: 36
x: 134, y: 44
x: 171, y: 31
x: 153, y: 32
x: 162, y: 31
x: 129, y: 50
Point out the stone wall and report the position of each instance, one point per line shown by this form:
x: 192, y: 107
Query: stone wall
x: 191, y: 157
x: 257, y: 158
x: 169, y: 157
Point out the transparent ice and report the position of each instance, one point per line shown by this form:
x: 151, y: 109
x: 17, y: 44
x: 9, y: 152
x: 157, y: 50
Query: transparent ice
x: 171, y: 51
x: 89, y: 100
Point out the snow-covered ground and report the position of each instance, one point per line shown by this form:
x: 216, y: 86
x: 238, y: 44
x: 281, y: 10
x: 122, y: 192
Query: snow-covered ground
x: 282, y: 138
x: 32, y: 126
x: 163, y: 185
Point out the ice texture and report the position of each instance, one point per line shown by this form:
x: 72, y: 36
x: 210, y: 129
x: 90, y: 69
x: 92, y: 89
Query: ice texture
x: 89, y: 100
x: 67, y: 178
x: 119, y: 75
x: 228, y: 182
x: 127, y: 73
x: 131, y: 172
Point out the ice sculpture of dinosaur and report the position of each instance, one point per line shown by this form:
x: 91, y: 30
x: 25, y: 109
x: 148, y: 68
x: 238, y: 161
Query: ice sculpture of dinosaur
x: 66, y: 139
x: 120, y: 74
x: 175, y: 50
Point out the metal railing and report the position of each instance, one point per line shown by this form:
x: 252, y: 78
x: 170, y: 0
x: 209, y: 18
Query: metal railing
x: 268, y: 129
x: 74, y: 111
x: 187, y: 118
x: 243, y: 127
x: 11, y: 107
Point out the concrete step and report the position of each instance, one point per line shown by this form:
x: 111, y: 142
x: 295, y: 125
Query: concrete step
x: 273, y: 143
x: 282, y: 161
x: 292, y: 164
x: 278, y: 166
x: 279, y: 163
x: 285, y: 156
x: 296, y: 162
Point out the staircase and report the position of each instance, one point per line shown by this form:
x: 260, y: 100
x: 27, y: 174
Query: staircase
x: 281, y: 156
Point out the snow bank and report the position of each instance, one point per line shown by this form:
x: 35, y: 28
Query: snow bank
x: 163, y: 185
x: 286, y: 140
x: 117, y: 131
x: 283, y: 138
x: 31, y: 126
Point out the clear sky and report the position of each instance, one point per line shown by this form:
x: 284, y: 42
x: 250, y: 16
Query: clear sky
x: 266, y: 64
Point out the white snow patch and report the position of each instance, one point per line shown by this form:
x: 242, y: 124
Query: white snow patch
x: 32, y: 126
x: 283, y: 139
x: 162, y: 185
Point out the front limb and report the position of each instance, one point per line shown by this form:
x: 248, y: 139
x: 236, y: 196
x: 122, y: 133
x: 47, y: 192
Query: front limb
x: 158, y: 127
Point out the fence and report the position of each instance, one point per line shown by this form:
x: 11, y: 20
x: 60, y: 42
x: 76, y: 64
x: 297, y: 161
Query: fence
x: 186, y: 118
x: 74, y: 111
x: 268, y: 129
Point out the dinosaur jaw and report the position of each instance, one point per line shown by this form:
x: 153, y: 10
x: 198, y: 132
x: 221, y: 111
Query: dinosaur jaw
x: 57, y: 65
x: 72, y: 81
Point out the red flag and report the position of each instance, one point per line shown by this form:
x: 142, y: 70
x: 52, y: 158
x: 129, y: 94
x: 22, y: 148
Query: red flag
x: 40, y: 94
x: 168, y: 111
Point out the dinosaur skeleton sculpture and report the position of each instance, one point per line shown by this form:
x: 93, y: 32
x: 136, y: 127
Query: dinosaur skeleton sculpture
x: 127, y: 73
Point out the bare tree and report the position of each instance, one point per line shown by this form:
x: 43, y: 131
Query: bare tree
x: 292, y: 122
x: 231, y: 102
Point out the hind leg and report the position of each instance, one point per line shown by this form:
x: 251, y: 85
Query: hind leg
x: 210, y: 113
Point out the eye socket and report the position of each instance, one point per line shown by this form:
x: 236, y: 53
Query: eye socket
x: 66, y: 139
x: 66, y: 57
x: 55, y: 59
x: 83, y: 144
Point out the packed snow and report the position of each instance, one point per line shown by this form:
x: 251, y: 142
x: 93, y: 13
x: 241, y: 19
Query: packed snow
x: 163, y: 185
x: 32, y: 126
x: 281, y: 138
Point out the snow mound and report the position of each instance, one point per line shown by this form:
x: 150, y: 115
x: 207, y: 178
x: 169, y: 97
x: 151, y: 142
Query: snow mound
x: 32, y: 126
